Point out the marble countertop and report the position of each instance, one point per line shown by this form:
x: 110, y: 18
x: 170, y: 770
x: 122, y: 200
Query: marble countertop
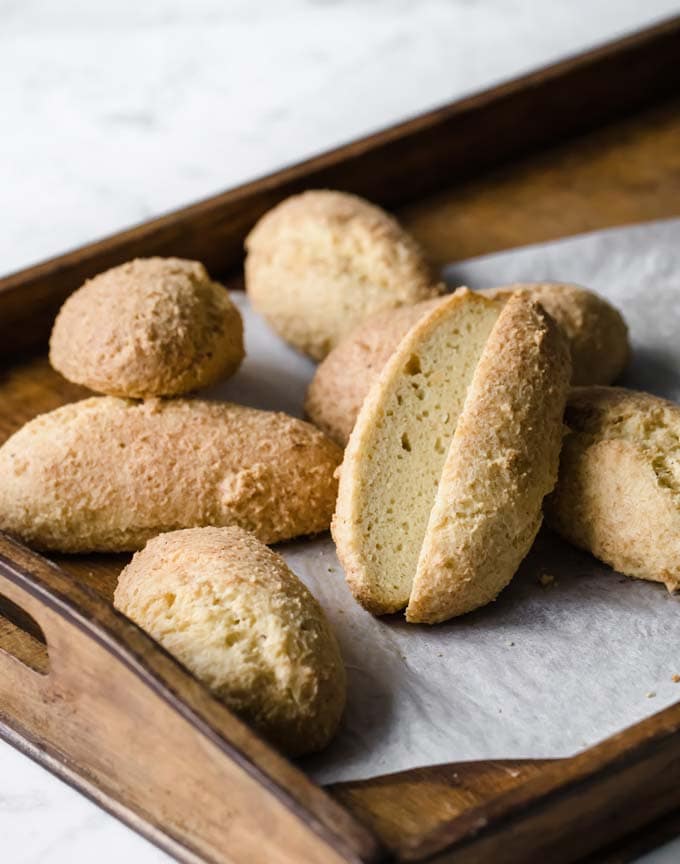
x: 116, y: 111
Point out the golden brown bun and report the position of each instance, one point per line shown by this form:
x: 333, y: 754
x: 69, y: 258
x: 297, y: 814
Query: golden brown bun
x: 597, y: 334
x: 233, y: 613
x: 502, y: 462
x: 618, y: 493
x: 454, y: 448
x: 596, y: 330
x: 397, y: 449
x: 151, y: 327
x: 321, y: 262
x: 106, y: 474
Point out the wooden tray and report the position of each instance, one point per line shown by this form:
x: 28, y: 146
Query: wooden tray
x: 588, y: 143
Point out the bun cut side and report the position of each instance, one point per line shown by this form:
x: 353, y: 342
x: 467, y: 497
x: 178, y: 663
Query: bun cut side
x: 502, y: 462
x: 397, y: 449
x: 454, y: 449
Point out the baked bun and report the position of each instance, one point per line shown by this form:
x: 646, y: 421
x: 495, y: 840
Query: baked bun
x: 596, y: 330
x: 151, y: 327
x: 454, y: 448
x: 597, y: 334
x: 618, y: 493
x: 232, y: 612
x: 501, y: 463
x: 107, y: 474
x: 321, y: 262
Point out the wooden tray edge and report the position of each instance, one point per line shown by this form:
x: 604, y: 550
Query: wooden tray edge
x: 82, y: 608
x: 395, y: 165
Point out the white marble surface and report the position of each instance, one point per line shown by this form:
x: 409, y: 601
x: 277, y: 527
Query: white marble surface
x: 114, y: 111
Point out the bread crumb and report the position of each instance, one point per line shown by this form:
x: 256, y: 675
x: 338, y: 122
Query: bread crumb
x: 546, y: 579
x: 651, y: 694
x: 511, y: 644
x: 675, y: 679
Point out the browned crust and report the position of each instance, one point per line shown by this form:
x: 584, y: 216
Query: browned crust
x: 150, y: 327
x: 503, y: 460
x: 321, y: 262
x: 596, y: 330
x: 107, y: 474
x: 233, y: 612
x: 618, y: 494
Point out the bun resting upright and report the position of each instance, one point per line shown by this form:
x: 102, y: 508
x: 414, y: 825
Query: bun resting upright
x: 454, y: 449
x: 502, y: 462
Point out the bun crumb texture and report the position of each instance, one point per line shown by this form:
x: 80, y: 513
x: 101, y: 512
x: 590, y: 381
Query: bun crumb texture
x: 453, y: 451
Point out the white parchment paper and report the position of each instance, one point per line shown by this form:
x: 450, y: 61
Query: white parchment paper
x: 547, y: 669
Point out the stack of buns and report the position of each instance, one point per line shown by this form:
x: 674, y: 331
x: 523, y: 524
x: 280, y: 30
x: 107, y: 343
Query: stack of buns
x: 108, y: 473
x: 115, y: 472
x: 451, y: 410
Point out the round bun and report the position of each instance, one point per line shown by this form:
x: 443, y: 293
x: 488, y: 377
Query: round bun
x: 233, y: 613
x: 320, y: 263
x: 151, y: 327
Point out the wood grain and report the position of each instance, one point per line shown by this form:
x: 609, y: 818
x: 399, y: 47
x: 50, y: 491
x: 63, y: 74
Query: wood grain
x: 150, y: 741
x: 402, y: 808
x: 573, y: 806
x: 399, y: 165
x: 627, y: 172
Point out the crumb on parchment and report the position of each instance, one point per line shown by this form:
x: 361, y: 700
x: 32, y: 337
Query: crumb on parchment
x: 546, y: 579
x: 651, y: 694
x: 675, y: 679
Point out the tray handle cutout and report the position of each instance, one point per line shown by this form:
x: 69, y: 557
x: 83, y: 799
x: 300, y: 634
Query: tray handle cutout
x: 21, y: 637
x: 112, y: 713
